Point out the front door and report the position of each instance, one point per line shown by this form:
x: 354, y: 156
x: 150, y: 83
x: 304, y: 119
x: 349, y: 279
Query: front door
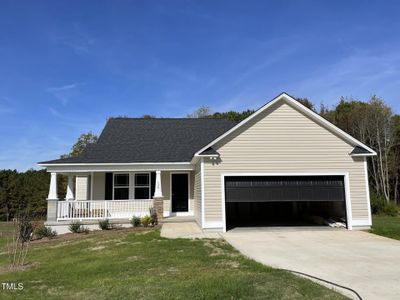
x: 179, y: 192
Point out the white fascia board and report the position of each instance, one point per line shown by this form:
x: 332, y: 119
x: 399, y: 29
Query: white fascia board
x: 197, y: 157
x: 363, y: 154
x: 118, y: 167
x: 207, y: 155
x: 316, y: 117
x: 113, y: 164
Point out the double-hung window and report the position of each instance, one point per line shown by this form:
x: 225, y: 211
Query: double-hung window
x: 142, y: 186
x: 121, y: 186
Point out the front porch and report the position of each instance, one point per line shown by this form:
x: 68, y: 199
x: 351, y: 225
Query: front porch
x: 103, y: 209
x: 118, y: 196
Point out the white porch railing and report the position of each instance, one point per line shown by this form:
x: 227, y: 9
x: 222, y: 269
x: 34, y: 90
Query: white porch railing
x: 102, y: 209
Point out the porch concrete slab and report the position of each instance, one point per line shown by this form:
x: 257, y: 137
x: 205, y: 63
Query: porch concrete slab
x: 363, y: 261
x: 186, y: 230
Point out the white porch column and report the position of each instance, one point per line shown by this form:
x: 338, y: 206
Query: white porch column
x: 52, y: 199
x: 158, y: 188
x: 53, y: 187
x: 158, y: 199
x: 70, y: 188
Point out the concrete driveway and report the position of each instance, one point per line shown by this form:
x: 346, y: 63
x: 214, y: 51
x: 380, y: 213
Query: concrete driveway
x: 365, y: 262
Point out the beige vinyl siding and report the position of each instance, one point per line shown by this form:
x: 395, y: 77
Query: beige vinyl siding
x: 82, y: 187
x: 99, y: 184
x: 197, y: 194
x: 282, y: 139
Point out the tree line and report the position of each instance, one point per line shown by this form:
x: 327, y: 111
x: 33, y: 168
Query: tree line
x: 27, y: 191
x: 372, y: 122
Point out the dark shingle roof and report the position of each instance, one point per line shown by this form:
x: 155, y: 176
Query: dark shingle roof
x: 359, y: 150
x: 131, y: 140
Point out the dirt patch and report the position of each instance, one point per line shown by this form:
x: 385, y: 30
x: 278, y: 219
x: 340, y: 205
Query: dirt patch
x: 136, y: 243
x: 228, y: 263
x: 8, y: 268
x: 97, y: 248
x: 67, y: 237
x: 213, y: 246
x: 217, y: 248
x: 132, y: 258
x: 121, y: 243
x: 172, y: 270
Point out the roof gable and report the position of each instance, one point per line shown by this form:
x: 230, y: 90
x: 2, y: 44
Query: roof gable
x: 308, y: 112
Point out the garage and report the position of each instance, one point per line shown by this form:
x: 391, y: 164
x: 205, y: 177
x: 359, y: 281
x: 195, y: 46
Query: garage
x: 285, y: 201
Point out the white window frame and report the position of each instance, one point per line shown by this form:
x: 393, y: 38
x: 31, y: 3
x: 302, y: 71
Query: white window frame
x: 117, y: 187
x: 141, y: 186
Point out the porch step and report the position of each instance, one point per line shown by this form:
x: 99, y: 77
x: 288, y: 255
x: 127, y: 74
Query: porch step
x: 178, y: 219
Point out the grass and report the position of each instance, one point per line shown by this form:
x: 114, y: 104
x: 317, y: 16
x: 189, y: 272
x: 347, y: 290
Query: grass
x: 123, y: 264
x: 6, y: 229
x: 386, y: 226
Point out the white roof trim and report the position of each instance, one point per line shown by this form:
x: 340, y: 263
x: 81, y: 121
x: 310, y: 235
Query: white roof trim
x: 363, y: 154
x: 285, y: 97
x: 112, y: 164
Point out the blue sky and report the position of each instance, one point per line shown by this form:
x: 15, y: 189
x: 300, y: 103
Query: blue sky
x: 66, y: 66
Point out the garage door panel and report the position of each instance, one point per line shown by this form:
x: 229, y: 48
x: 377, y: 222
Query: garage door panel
x: 289, y: 188
x: 239, y: 193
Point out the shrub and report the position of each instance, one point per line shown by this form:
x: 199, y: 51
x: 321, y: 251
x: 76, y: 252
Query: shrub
x: 153, y: 215
x: 135, y: 221
x: 25, y: 230
x: 146, y: 220
x: 76, y: 227
x: 379, y: 206
x: 21, y: 237
x: 42, y: 231
x: 104, y: 224
x: 391, y: 209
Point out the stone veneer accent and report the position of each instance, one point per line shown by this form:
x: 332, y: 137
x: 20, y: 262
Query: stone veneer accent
x: 159, y: 207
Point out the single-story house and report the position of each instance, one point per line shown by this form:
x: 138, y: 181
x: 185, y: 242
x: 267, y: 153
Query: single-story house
x: 284, y: 165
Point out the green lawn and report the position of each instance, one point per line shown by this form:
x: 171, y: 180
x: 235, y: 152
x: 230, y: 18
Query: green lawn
x: 124, y: 264
x: 386, y: 226
x: 6, y: 229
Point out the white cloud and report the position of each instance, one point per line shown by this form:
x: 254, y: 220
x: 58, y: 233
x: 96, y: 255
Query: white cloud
x: 78, y: 40
x: 54, y: 112
x: 62, y: 88
x: 360, y: 74
x: 63, y: 93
